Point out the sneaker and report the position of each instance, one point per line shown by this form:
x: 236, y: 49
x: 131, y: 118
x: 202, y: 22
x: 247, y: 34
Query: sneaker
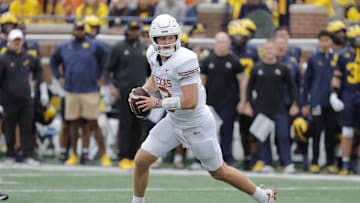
x: 331, y: 169
x: 289, y: 169
x: 9, y: 161
x: 63, y: 157
x: 314, y: 168
x: 84, y: 159
x: 125, y: 164
x: 271, y: 194
x: 267, y: 169
x: 258, y: 167
x: 72, y: 161
x: 105, y: 160
x: 4, y: 197
x: 32, y: 162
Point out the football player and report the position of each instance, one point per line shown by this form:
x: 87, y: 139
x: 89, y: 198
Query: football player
x: 175, y: 73
x: 347, y: 77
x: 247, y: 56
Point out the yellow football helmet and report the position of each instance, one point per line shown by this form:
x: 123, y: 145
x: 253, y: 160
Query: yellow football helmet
x: 184, y: 38
x: 353, y: 32
x: 336, y: 26
x: 300, y: 126
x: 91, y: 21
x: 248, y: 24
x: 236, y: 28
x: 45, y: 114
x: 8, y: 18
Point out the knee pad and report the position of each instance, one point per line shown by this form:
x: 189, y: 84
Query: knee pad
x: 347, y: 132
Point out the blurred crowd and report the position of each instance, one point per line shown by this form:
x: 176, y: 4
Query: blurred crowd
x: 87, y: 98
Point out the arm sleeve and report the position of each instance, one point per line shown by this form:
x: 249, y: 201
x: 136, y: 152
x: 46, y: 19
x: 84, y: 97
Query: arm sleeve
x: 308, y: 78
x: 55, y: 61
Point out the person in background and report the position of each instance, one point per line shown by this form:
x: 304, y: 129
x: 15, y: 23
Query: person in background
x: 316, y: 94
x: 21, y: 8
x: 127, y: 67
x: 17, y: 97
x: 247, y: 56
x: 265, y: 89
x: 346, y: 82
x: 218, y: 67
x: 81, y: 59
x: 4, y: 6
x: 92, y: 29
x: 53, y: 8
x: 144, y: 10
x: 172, y: 7
x: 93, y: 7
x: 352, y: 13
x: 118, y: 8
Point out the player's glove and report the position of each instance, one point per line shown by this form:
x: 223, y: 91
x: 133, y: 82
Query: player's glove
x: 336, y: 103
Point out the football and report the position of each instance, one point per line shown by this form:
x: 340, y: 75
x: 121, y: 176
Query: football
x: 134, y: 108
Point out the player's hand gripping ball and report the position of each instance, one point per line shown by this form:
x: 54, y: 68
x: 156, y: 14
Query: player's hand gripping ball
x: 139, y: 91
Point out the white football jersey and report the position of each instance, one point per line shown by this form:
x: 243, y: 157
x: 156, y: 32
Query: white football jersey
x: 181, y: 69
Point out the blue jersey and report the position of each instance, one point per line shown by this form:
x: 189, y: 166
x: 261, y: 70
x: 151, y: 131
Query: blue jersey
x: 349, y: 66
x: 247, y: 58
x: 317, y: 79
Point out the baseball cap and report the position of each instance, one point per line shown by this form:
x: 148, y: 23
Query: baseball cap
x: 78, y: 24
x: 15, y: 34
x: 133, y: 25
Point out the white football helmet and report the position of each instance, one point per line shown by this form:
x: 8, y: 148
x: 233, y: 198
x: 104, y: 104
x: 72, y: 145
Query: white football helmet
x: 165, y: 25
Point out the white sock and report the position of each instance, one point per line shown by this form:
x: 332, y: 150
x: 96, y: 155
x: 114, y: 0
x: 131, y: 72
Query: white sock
x: 259, y: 195
x: 138, y: 199
x: 178, y: 158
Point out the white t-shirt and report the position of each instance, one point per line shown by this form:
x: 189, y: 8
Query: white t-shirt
x: 181, y: 69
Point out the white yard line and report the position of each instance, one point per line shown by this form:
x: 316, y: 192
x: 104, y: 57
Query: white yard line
x: 204, y: 189
x: 114, y: 171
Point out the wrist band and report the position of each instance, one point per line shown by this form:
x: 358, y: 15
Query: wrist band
x: 171, y: 103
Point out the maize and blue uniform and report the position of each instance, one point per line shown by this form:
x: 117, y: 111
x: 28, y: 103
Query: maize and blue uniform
x: 348, y: 65
x: 247, y: 59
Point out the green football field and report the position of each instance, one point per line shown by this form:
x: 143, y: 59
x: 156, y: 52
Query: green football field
x: 60, y: 184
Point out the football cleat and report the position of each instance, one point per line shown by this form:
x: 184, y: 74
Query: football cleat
x: 314, y: 168
x: 331, y: 169
x: 105, y: 160
x: 271, y: 195
x: 72, y: 161
x: 4, y: 197
x: 125, y: 164
x: 344, y: 172
x: 258, y: 167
